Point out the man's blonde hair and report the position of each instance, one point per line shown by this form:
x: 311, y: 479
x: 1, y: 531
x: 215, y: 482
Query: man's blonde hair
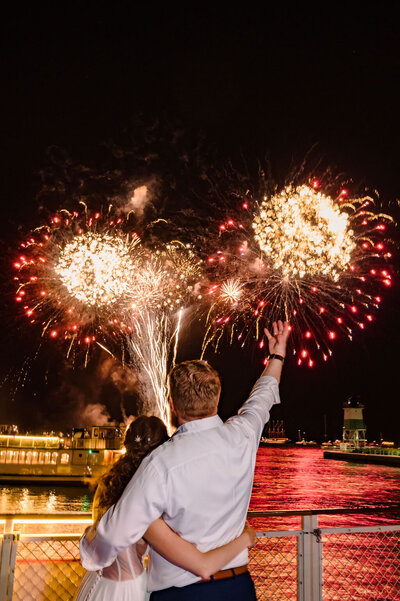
x: 194, y: 387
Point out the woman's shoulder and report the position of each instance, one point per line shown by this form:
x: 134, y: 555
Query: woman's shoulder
x: 157, y: 457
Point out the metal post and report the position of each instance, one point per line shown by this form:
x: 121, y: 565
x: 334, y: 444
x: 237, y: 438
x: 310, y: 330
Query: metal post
x: 300, y: 567
x: 8, y: 526
x: 8, y: 552
x: 13, y: 559
x: 311, y: 559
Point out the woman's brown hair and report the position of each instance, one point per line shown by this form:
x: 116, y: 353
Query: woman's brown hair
x: 143, y: 436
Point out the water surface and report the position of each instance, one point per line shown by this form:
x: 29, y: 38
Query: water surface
x: 285, y: 478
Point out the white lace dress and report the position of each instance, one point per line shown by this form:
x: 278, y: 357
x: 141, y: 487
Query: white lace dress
x: 124, y: 580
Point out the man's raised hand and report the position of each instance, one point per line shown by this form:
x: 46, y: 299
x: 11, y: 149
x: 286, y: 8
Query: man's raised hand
x: 278, y: 339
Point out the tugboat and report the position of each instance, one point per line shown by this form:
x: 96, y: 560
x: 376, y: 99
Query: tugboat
x: 78, y: 458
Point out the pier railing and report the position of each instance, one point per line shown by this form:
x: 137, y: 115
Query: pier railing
x: 39, y: 557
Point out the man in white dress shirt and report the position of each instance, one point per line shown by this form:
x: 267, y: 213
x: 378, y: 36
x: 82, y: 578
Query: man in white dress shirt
x: 199, y: 482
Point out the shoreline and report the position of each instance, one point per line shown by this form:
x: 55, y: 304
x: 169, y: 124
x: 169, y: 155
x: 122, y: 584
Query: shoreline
x: 388, y: 460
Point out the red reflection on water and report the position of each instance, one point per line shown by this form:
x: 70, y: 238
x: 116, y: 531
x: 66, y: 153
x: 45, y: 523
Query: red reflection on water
x: 297, y: 479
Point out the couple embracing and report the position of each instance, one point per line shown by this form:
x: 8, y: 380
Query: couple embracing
x: 184, y: 498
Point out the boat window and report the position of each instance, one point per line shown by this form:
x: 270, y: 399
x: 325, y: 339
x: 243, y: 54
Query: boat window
x: 12, y: 457
x: 47, y: 457
x: 3, y: 456
x: 22, y: 457
x: 65, y: 458
x: 41, y: 457
x: 28, y: 457
x: 35, y: 455
x: 54, y: 457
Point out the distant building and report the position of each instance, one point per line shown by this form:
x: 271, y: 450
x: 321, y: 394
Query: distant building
x: 354, y: 428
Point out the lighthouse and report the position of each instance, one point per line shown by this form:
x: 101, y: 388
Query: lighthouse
x: 353, y: 424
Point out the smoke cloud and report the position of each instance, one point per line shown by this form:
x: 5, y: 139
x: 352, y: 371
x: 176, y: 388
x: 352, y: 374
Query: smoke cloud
x: 95, y: 414
x: 123, y: 379
x: 138, y: 201
x: 141, y: 198
x: 104, y: 393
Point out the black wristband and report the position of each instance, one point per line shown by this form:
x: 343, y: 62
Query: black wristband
x: 274, y: 356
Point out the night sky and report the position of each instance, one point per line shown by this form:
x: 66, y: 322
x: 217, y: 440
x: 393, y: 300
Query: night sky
x: 243, y: 86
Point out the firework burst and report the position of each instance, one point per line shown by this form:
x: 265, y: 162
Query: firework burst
x: 89, y: 280
x: 76, y: 279
x: 231, y: 292
x: 302, y: 255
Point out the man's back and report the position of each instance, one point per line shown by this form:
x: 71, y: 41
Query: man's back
x: 207, y: 472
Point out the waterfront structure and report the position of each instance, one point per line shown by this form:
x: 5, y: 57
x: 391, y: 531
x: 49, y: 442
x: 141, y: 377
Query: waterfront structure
x: 76, y: 459
x: 275, y: 434
x: 354, y: 447
x: 354, y: 429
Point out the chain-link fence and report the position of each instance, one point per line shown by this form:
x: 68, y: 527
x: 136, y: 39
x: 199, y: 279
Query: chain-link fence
x: 273, y: 564
x: 309, y: 564
x: 47, y: 569
x: 361, y: 565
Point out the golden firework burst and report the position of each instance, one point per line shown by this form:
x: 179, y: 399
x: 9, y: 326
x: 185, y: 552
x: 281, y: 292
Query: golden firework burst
x: 304, y: 233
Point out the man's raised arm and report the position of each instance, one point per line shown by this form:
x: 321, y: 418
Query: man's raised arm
x: 124, y: 523
x: 254, y: 414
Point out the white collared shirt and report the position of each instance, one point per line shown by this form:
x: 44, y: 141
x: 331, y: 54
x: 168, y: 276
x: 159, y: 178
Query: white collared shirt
x: 199, y: 481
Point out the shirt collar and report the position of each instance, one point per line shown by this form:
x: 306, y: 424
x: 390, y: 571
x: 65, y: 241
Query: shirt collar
x: 198, y: 425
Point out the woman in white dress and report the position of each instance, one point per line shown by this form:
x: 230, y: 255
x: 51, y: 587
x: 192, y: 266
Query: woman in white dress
x: 125, y: 579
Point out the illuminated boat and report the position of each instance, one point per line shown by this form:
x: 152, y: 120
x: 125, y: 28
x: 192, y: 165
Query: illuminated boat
x: 276, y: 435
x: 273, y: 442
x: 76, y: 459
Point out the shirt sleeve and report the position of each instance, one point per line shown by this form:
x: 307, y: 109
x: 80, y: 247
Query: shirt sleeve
x: 254, y: 414
x: 142, y: 502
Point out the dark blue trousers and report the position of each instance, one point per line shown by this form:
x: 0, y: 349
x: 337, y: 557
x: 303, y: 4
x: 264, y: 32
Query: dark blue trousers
x: 237, y: 588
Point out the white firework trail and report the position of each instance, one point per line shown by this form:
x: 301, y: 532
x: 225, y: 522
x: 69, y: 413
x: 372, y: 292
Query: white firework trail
x: 153, y: 348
